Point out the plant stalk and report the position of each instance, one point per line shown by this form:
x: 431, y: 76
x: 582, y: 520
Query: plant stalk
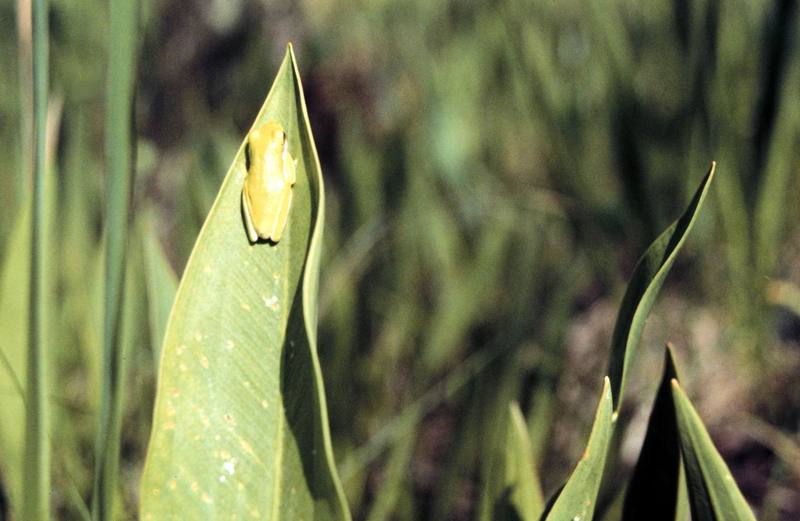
x: 119, y: 171
x: 36, y: 471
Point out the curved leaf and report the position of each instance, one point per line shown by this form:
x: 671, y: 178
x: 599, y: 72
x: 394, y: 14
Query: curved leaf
x: 240, y: 425
x: 576, y: 500
x: 644, y: 285
x: 712, y: 491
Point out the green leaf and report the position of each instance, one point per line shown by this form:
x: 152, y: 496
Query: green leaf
x: 240, y: 425
x: 522, y: 477
x: 80, y: 264
x: 643, y: 288
x: 774, y: 188
x: 132, y: 338
x: 14, y: 297
x: 712, y: 491
x: 576, y: 501
x: 395, y: 483
x: 161, y: 287
x: 36, y: 469
x: 653, y: 489
x: 682, y: 507
x: 15, y: 283
x: 123, y: 24
x: 503, y: 381
x: 616, y: 502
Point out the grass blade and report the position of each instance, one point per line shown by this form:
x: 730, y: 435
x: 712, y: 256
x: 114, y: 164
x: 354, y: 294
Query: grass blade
x: 770, y: 216
x: 576, y: 500
x: 14, y: 309
x: 522, y: 477
x: 161, y: 287
x: 14, y: 345
x: 240, y: 424
x: 395, y: 484
x: 119, y: 162
x: 712, y: 491
x: 644, y: 285
x: 36, y: 471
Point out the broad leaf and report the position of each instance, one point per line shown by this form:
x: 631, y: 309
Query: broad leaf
x: 576, y: 500
x: 644, y: 285
x: 713, y: 493
x: 240, y: 425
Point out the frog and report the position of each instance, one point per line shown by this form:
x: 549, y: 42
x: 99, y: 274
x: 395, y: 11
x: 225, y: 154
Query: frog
x: 268, y: 186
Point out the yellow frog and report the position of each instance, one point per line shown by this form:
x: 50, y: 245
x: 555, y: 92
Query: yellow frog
x: 267, y: 192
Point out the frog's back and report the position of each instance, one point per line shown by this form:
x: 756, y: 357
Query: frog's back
x: 267, y: 192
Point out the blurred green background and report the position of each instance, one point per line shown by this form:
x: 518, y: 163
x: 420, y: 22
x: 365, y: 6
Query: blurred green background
x: 493, y: 171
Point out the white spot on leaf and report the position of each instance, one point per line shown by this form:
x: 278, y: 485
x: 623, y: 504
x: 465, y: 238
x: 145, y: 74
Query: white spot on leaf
x: 271, y: 302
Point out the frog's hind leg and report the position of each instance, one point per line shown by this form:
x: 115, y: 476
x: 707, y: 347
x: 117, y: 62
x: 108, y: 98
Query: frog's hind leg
x: 283, y: 216
x: 252, y: 234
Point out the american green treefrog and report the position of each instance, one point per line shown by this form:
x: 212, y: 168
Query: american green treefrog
x: 267, y: 192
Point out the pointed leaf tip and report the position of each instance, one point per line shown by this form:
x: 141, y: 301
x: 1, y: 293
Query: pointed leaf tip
x: 712, y: 490
x: 578, y: 496
x: 240, y: 423
x: 643, y: 287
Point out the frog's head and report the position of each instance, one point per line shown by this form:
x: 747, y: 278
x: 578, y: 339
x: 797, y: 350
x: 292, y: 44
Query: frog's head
x: 269, y: 138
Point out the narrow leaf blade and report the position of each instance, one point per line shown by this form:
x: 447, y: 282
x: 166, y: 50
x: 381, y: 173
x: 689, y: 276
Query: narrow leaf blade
x: 643, y: 288
x: 522, y: 477
x: 576, y: 501
x: 712, y: 491
x: 14, y: 312
x: 161, y: 287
